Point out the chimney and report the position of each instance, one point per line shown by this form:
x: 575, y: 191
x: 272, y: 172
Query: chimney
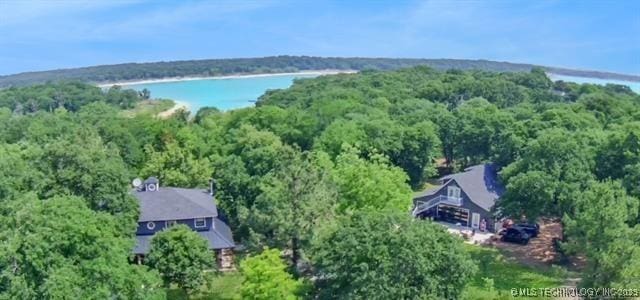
x: 212, y: 187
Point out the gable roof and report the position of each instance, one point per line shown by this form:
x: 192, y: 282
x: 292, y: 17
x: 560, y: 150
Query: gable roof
x: 428, y: 192
x: 170, y: 203
x: 218, y: 237
x: 480, y: 183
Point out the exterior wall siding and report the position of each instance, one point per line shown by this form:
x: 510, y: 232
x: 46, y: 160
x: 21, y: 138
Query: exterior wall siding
x: 466, y: 203
x: 160, y: 225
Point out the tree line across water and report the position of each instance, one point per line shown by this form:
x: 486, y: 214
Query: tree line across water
x: 273, y: 64
x: 316, y: 182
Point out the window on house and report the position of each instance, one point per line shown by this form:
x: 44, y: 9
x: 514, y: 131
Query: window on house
x: 453, y: 192
x: 170, y: 223
x: 151, y: 225
x: 200, y: 222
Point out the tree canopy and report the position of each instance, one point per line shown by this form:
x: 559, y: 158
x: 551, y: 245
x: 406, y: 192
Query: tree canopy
x: 600, y: 228
x: 384, y: 256
x: 266, y: 277
x: 59, y: 247
x: 180, y: 255
x: 330, y: 163
x: 274, y: 64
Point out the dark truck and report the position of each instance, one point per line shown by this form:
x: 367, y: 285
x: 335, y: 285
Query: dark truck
x: 515, y: 235
x: 531, y: 229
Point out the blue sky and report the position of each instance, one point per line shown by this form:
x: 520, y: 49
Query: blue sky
x: 40, y: 35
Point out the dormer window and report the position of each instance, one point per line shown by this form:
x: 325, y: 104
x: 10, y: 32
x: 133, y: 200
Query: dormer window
x: 200, y: 223
x: 151, y: 225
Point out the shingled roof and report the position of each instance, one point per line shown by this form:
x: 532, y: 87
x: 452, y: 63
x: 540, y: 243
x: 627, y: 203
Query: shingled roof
x: 219, y: 237
x: 170, y: 203
x: 480, y: 183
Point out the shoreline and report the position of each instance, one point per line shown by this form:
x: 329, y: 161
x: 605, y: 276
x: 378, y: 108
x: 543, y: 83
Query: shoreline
x: 554, y: 76
x: 222, y: 77
x: 176, y: 106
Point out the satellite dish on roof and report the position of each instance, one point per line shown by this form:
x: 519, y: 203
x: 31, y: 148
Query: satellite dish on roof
x: 137, y: 182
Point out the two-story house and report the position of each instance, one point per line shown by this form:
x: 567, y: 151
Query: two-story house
x: 163, y: 207
x: 467, y: 198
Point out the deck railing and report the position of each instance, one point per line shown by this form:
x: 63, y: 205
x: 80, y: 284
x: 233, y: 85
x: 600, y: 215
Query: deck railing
x: 422, y: 206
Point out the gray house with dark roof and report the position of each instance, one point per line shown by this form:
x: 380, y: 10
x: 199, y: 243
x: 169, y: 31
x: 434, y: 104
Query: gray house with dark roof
x: 467, y: 198
x: 163, y: 207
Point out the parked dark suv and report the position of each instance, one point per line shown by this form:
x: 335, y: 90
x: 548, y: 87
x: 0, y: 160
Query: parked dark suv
x: 531, y: 229
x: 515, y: 235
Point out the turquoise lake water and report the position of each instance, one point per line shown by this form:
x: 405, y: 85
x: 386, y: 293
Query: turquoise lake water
x: 635, y: 86
x: 223, y: 93
x: 230, y: 93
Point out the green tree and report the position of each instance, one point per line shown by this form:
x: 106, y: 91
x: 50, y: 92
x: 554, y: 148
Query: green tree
x: 370, y: 184
x: 59, y: 248
x: 420, y: 148
x: 294, y: 202
x: 600, y: 230
x: 204, y: 112
x: 567, y: 161
x: 68, y: 95
x: 565, y: 116
x: 294, y: 126
x: 16, y: 176
x: 339, y: 133
x: 180, y: 255
x: 608, y: 108
x: 619, y: 156
x: 529, y: 195
x: 631, y: 179
x: 416, y: 112
x: 176, y: 166
x: 247, y: 156
x: 536, y: 79
x: 389, y: 256
x: 479, y: 124
x: 145, y: 94
x: 114, y: 129
x: 82, y: 165
x: 266, y: 277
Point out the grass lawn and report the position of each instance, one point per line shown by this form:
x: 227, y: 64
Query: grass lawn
x: 225, y: 286
x: 152, y: 107
x: 502, y: 273
x: 427, y: 185
x: 506, y: 274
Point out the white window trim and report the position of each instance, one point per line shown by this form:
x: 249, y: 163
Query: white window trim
x: 452, y: 191
x: 195, y: 222
x: 151, y: 225
x: 169, y: 223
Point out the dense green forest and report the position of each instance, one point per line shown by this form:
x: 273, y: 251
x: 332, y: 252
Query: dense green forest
x: 274, y: 64
x: 323, y: 173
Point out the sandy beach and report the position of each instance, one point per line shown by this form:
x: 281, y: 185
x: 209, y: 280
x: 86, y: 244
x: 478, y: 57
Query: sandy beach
x: 178, y: 105
x: 174, y: 79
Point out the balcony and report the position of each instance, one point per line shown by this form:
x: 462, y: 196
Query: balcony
x: 422, y: 206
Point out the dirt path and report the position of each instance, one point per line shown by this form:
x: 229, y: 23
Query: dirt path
x: 540, y: 251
